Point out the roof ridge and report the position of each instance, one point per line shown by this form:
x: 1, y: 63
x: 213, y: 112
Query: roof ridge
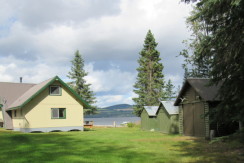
x: 17, y: 83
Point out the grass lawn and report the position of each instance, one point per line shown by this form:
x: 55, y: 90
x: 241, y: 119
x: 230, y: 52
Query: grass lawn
x: 115, y: 145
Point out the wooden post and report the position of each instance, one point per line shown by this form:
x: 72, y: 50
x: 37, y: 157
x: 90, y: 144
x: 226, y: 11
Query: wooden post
x: 212, y: 134
x: 240, y: 125
x: 114, y: 124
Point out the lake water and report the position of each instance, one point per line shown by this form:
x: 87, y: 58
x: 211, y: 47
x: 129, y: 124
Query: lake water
x: 110, y: 121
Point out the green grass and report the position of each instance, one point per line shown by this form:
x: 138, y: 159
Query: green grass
x: 115, y: 145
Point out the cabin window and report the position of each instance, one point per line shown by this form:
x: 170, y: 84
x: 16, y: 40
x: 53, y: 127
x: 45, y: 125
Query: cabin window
x: 198, y: 97
x: 58, y: 113
x: 55, y: 90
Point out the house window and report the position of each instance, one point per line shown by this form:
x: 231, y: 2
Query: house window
x: 55, y: 90
x: 58, y: 113
x: 15, y: 113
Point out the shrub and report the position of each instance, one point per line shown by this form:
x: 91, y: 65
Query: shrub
x: 130, y: 124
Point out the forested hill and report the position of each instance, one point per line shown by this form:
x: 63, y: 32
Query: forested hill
x: 120, y: 110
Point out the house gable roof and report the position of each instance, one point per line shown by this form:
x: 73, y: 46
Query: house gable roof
x: 35, y: 90
x: 202, y: 87
x: 10, y: 92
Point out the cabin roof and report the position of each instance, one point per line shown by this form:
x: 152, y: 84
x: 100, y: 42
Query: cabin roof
x: 170, y: 108
x: 202, y: 87
x: 151, y: 110
x: 168, y: 105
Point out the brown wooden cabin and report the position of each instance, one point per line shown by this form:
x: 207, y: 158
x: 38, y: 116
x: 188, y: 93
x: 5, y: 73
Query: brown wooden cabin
x: 194, y: 101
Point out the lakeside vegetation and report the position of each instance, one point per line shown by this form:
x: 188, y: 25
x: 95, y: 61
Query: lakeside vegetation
x: 117, y: 145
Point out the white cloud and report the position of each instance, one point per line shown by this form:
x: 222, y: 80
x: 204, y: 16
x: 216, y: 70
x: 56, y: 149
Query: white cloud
x: 40, y: 40
x: 107, y: 100
x: 35, y: 72
x: 110, y: 80
x: 176, y: 79
x: 3, y: 72
x: 106, y: 34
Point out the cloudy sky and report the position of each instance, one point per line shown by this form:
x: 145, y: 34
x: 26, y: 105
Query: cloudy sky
x: 38, y: 40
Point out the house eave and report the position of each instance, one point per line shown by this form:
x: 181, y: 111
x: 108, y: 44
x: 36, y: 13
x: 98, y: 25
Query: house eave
x: 13, y: 108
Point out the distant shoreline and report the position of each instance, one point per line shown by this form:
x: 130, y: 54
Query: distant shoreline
x: 120, y: 110
x: 109, y: 121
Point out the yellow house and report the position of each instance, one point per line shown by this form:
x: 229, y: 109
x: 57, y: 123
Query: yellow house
x: 48, y: 106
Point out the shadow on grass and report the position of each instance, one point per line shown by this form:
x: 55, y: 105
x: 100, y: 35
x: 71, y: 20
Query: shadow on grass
x: 89, y: 129
x: 203, y: 151
x: 63, y: 147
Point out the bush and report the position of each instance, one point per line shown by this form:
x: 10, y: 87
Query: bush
x: 130, y: 124
x: 237, y: 136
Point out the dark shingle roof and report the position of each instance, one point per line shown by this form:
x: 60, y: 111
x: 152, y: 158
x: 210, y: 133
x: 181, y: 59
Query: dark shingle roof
x: 202, y: 87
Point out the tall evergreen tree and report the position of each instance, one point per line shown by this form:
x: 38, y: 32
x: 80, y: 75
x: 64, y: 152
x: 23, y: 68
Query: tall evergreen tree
x: 150, y: 79
x: 79, y: 84
x: 169, y: 90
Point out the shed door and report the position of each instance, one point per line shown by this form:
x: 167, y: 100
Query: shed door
x: 199, y: 128
x: 188, y: 114
x: 193, y: 119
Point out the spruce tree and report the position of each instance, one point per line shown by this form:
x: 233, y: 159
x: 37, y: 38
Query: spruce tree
x: 169, y: 90
x: 79, y: 84
x: 150, y: 79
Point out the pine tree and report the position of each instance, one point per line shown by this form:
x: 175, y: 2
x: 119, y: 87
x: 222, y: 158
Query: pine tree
x: 169, y: 90
x: 150, y: 79
x: 79, y: 84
